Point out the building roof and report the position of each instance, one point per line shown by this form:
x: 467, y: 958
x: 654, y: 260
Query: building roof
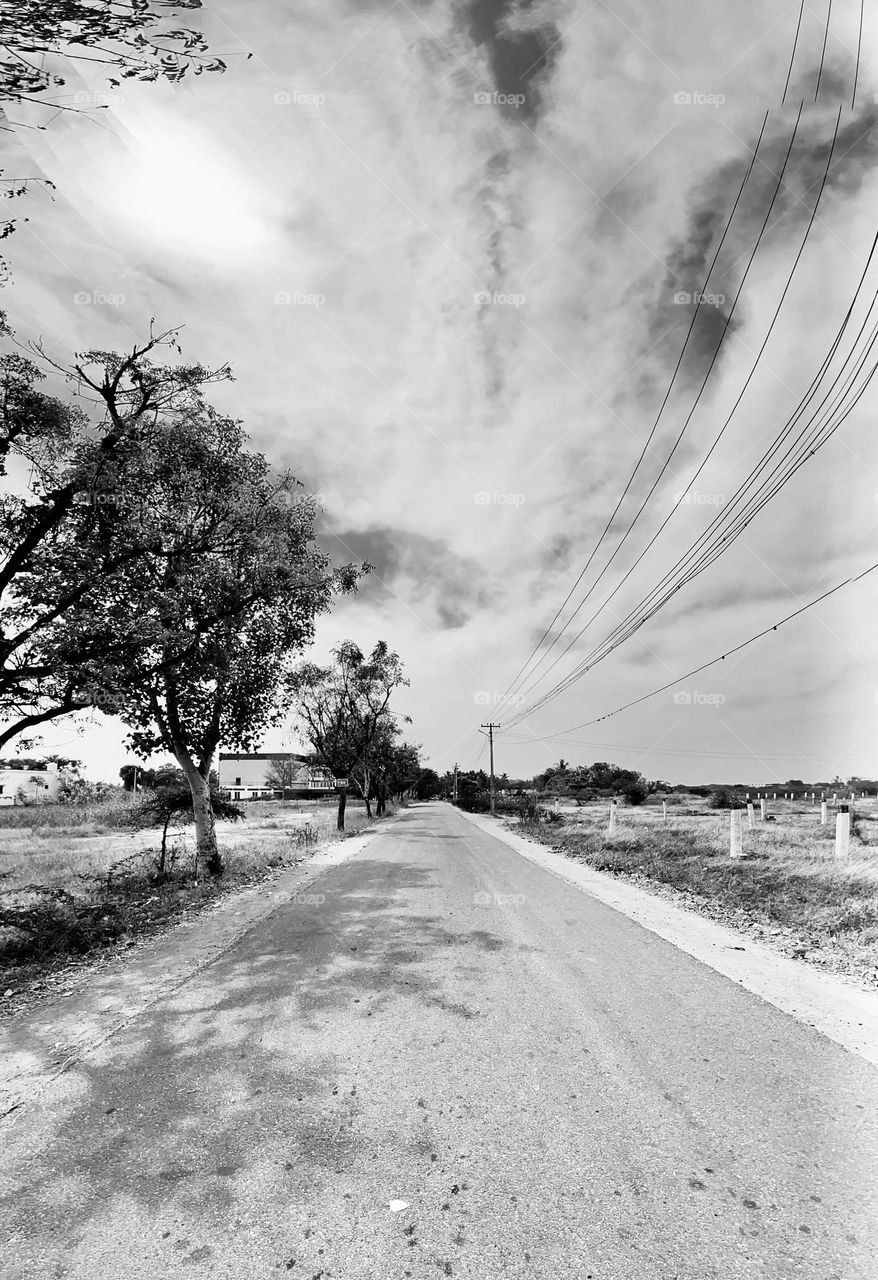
x: 263, y: 755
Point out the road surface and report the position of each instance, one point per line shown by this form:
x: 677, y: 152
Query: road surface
x: 537, y: 1085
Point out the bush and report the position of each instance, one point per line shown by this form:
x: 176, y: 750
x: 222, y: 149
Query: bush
x: 723, y: 799
x: 635, y: 792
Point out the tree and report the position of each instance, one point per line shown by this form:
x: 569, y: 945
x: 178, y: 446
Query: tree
x: 65, y: 546
x: 126, y: 36
x: 162, y: 572
x: 344, y: 708
x: 172, y: 798
x: 222, y: 601
x: 282, y: 774
x: 429, y: 785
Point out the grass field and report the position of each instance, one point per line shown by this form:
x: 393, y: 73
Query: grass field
x: 788, y: 888
x: 71, y: 888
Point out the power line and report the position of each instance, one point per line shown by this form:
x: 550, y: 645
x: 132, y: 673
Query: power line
x: 707, y: 457
x: 729, y: 652
x: 859, y: 52
x: 823, y: 53
x: 658, y: 418
x: 728, y: 320
x: 793, y: 55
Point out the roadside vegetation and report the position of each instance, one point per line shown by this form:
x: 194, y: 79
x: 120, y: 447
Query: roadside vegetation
x: 788, y: 889
x: 93, y: 884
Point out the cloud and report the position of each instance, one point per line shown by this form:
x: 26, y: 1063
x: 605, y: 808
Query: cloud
x: 421, y: 572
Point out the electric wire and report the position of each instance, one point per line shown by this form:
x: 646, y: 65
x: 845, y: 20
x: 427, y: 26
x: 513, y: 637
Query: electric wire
x: 711, y: 450
x: 691, y: 413
x: 728, y: 654
x: 658, y: 417
x: 756, y: 502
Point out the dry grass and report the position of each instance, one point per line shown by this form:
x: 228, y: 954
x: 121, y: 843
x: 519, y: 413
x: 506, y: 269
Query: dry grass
x: 788, y: 887
x: 71, y: 889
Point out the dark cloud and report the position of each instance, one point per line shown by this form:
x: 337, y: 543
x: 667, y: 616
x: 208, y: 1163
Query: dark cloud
x: 423, y: 573
x: 854, y: 157
x: 520, y: 60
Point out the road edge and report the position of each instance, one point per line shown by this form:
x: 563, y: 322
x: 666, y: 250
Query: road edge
x: 844, y: 1014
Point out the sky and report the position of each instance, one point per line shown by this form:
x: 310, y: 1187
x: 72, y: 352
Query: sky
x: 450, y: 251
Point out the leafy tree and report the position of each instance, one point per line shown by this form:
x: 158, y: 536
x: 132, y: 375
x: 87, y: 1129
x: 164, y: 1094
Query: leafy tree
x: 127, y: 36
x: 429, y: 785
x: 65, y: 545
x: 172, y: 799
x: 344, y: 708
x: 221, y: 603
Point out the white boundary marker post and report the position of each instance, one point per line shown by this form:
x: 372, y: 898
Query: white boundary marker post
x: 751, y: 818
x: 736, y: 838
x: 823, y: 813
x: 665, y: 809
x: 843, y: 832
x: 612, y: 827
x: 762, y: 809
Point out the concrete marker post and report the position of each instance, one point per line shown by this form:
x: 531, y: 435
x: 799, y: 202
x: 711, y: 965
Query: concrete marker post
x: 751, y: 818
x: 665, y: 810
x: 736, y: 836
x: 612, y: 827
x: 823, y: 813
x: 842, y: 832
x: 762, y: 809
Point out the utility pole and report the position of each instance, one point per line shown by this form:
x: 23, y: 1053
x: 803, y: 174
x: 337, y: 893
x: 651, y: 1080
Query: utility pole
x: 491, y: 727
x: 454, y: 785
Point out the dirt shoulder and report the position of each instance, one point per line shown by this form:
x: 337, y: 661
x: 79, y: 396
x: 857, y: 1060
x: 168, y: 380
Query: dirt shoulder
x: 82, y: 1003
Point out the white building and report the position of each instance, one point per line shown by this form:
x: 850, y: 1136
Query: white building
x: 245, y: 776
x: 36, y: 785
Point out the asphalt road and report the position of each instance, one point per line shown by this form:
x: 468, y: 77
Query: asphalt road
x: 551, y: 1090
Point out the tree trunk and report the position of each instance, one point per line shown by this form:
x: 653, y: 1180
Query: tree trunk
x: 164, y: 844
x: 368, y: 806
x: 342, y: 801
x: 206, y: 852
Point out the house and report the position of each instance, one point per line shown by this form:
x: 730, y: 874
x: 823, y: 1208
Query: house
x: 29, y: 782
x: 246, y: 776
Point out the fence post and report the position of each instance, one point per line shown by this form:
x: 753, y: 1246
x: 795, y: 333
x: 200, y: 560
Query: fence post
x: 762, y: 809
x: 736, y: 838
x: 665, y: 809
x: 823, y: 813
x: 750, y: 817
x: 842, y: 832
x: 612, y: 826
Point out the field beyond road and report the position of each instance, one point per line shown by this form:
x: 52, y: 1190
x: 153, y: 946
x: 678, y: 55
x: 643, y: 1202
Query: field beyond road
x: 448, y: 1062
x: 788, y: 890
